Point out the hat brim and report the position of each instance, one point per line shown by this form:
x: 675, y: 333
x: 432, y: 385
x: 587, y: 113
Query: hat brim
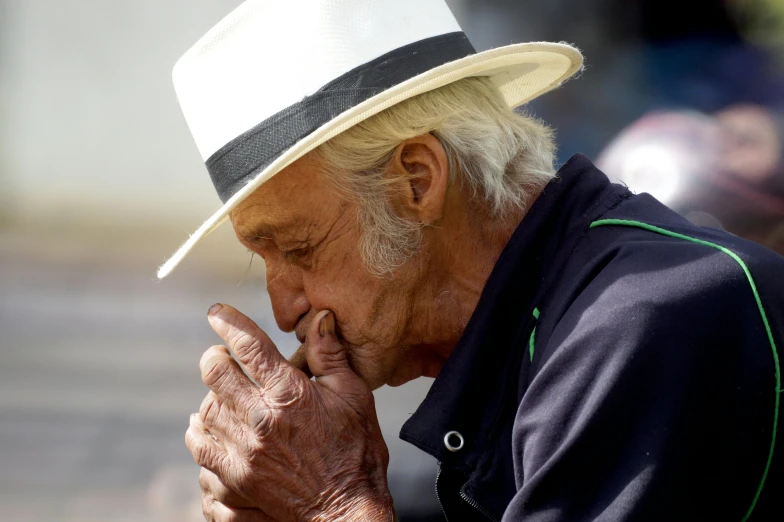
x: 520, y: 71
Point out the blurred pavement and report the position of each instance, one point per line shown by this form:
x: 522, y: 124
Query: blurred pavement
x: 99, y: 373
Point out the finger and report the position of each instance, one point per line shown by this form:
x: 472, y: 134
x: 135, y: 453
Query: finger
x: 325, y: 355
x: 221, y: 373
x: 211, y: 485
x: 214, y: 511
x: 300, y: 361
x: 221, y: 422
x: 328, y: 360
x: 206, y: 450
x: 254, y: 349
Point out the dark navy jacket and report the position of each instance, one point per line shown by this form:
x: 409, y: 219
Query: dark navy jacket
x: 648, y: 387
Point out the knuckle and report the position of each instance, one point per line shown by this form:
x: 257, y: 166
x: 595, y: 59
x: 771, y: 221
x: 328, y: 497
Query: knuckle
x: 244, y: 342
x: 204, y: 480
x: 224, y: 467
x: 257, y: 359
x: 189, y: 436
x: 262, y: 421
x: 244, y: 481
x: 203, y: 454
x: 232, y: 516
x: 285, y: 389
x: 210, y: 409
x: 214, y: 370
x: 207, y: 503
x: 332, y: 360
x: 191, y: 440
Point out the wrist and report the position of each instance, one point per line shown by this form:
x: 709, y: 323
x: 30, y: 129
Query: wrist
x: 378, y: 510
x: 374, y: 506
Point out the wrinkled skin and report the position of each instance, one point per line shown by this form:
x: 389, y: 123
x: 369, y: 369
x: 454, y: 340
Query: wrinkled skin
x: 394, y: 328
x: 290, y: 448
x: 287, y: 448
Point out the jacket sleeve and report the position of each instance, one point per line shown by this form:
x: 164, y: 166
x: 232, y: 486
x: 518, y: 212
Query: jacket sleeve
x: 651, y: 399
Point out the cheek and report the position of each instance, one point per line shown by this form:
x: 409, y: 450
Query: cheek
x: 351, y: 301
x: 370, y: 320
x: 332, y: 283
x: 360, y: 302
x: 370, y: 311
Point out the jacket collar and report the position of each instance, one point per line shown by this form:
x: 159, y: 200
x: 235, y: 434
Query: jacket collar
x: 483, y: 371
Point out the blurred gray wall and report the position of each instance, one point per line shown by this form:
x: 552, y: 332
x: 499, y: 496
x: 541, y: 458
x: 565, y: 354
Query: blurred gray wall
x: 91, y: 128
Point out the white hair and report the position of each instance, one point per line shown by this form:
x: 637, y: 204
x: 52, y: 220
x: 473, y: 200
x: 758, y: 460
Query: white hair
x: 503, y: 157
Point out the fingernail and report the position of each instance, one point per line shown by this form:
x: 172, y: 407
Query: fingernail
x: 327, y: 325
x: 214, y: 309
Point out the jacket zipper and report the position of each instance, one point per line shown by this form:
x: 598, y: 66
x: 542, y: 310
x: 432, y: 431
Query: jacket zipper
x: 438, y: 476
x: 473, y: 503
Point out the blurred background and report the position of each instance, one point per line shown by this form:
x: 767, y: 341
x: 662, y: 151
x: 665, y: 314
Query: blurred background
x: 100, y: 181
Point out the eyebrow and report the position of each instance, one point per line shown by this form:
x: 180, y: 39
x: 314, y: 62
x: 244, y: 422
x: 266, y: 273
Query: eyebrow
x: 267, y: 231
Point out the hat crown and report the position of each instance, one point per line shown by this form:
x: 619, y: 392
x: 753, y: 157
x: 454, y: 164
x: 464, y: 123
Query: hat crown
x: 269, y: 54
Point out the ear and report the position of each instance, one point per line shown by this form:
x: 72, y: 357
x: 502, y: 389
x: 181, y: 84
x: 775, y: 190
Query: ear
x: 422, y: 168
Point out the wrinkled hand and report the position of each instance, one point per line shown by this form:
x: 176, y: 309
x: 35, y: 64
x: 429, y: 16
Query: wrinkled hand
x: 285, y: 447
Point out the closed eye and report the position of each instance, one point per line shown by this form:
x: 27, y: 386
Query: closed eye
x: 298, y: 255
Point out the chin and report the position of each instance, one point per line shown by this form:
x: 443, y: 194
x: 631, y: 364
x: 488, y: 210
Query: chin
x: 402, y: 375
x: 392, y: 366
x: 375, y: 365
x: 397, y: 377
x: 375, y: 382
x: 418, y: 362
x: 375, y: 379
x: 400, y: 381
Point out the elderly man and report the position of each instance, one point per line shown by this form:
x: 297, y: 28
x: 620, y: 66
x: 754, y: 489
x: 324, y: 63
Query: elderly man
x: 596, y: 356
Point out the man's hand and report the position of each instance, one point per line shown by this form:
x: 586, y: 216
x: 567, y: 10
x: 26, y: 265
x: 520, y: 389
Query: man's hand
x: 285, y: 447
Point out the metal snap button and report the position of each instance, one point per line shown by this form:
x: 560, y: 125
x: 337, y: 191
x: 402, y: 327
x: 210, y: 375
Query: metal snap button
x: 454, y: 441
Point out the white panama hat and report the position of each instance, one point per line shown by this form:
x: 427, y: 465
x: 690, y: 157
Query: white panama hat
x: 277, y: 78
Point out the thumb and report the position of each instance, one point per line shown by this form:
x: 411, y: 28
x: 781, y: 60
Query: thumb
x: 328, y: 359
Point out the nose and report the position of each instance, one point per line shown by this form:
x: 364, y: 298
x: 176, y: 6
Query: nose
x: 287, y: 295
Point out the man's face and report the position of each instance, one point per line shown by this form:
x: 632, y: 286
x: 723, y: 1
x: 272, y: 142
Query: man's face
x: 308, y: 236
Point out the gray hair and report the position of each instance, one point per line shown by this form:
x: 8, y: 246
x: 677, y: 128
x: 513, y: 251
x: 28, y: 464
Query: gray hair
x: 503, y: 157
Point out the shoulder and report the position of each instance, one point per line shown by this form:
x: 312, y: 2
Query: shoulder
x: 644, y: 262
x: 655, y: 308
x: 641, y: 286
